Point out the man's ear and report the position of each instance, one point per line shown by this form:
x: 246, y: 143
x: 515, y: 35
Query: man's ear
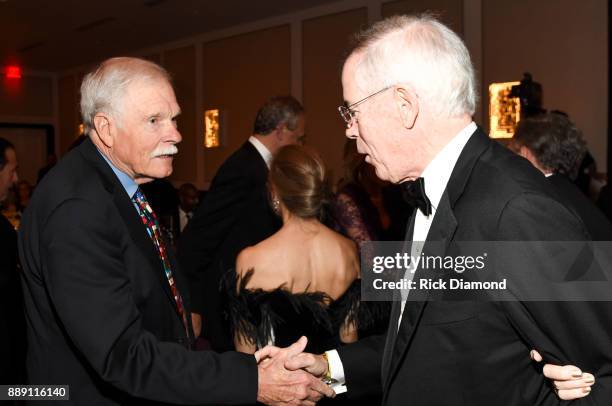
x: 407, y: 104
x: 102, y: 125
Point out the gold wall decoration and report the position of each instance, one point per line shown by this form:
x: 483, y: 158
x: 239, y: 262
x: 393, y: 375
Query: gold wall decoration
x: 212, y: 129
x: 504, y: 111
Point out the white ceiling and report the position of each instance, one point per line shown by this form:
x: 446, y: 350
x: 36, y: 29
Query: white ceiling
x: 53, y: 35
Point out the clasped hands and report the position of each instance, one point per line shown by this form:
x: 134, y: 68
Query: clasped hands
x: 288, y: 376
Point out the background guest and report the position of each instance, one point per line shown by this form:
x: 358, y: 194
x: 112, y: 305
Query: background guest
x: 357, y: 210
x: 24, y: 193
x: 12, y: 323
x: 366, y: 208
x: 553, y: 144
x: 304, y: 259
x: 189, y: 197
x: 235, y: 214
x: 304, y: 279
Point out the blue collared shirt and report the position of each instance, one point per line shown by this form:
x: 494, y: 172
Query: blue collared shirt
x: 128, y: 183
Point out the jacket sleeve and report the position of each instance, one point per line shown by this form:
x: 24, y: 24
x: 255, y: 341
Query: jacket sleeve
x: 94, y: 300
x: 226, y: 201
x: 362, y: 363
x: 565, y: 332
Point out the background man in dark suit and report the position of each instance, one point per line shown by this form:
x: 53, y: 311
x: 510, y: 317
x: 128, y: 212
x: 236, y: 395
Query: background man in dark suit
x: 410, y: 92
x: 189, y: 197
x: 235, y: 214
x: 107, y: 308
x: 12, y: 324
x: 553, y: 144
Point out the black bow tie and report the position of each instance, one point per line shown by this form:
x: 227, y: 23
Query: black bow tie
x: 413, y: 193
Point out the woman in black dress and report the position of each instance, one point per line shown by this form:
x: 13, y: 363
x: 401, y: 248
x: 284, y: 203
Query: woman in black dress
x: 304, y: 279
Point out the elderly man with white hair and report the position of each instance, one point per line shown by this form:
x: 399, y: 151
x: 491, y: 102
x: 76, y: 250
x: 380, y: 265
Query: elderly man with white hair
x: 410, y: 94
x: 107, y: 309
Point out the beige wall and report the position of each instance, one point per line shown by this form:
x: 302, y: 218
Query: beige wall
x: 562, y: 42
x: 68, y: 99
x: 29, y: 96
x: 180, y: 63
x: 325, y: 40
x: 238, y: 75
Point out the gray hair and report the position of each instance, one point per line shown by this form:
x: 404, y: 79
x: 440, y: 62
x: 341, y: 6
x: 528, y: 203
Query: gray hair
x: 277, y: 110
x: 422, y: 52
x: 103, y: 88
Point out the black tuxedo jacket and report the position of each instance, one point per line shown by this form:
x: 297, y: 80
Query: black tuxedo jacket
x: 234, y: 214
x: 477, y: 352
x: 100, y: 314
x: 596, y: 223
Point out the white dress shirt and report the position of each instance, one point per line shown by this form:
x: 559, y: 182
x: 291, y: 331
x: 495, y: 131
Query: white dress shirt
x: 436, y: 176
x: 263, y: 151
x: 184, y: 218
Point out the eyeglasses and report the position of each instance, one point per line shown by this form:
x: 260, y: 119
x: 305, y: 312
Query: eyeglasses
x: 348, y: 114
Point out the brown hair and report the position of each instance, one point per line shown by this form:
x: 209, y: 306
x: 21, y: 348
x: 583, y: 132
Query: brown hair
x: 556, y: 143
x: 298, y: 177
x: 354, y: 165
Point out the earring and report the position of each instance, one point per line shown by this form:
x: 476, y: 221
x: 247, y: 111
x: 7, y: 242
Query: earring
x: 276, y: 205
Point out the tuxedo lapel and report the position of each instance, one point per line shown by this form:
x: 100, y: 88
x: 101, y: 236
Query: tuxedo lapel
x: 441, y: 232
x: 128, y: 213
x: 396, y: 309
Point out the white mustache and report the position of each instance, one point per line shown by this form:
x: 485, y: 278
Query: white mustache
x: 165, y: 150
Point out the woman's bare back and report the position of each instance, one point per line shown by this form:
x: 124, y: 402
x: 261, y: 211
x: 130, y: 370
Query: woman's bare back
x: 304, y: 256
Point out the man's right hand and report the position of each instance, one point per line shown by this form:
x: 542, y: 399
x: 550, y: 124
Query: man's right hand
x: 281, y: 386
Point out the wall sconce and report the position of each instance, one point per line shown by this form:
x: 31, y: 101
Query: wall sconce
x: 504, y: 111
x: 212, y: 128
x: 81, y: 130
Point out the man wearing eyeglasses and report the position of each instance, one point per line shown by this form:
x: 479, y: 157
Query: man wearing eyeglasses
x: 410, y: 93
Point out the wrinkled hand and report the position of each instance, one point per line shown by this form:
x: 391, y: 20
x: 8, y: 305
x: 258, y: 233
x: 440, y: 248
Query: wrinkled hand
x: 281, y: 386
x: 569, y: 381
x: 311, y: 363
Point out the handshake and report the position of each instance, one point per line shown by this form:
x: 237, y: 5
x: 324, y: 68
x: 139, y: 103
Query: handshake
x: 289, y: 376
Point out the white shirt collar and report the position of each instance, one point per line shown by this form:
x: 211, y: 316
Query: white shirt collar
x: 438, y: 171
x: 263, y: 151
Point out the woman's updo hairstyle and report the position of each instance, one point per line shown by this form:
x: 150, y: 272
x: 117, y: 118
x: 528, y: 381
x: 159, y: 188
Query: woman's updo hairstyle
x: 298, y: 178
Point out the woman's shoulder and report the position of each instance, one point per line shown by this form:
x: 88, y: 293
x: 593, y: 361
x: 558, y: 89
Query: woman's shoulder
x: 258, y: 257
x: 346, y: 245
x: 343, y: 252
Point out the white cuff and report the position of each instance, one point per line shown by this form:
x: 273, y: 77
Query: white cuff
x: 336, y: 371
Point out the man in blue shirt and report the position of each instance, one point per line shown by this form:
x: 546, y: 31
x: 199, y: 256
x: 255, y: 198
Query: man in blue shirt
x: 107, y: 309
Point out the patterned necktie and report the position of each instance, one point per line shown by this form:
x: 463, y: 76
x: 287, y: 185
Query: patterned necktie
x: 150, y: 221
